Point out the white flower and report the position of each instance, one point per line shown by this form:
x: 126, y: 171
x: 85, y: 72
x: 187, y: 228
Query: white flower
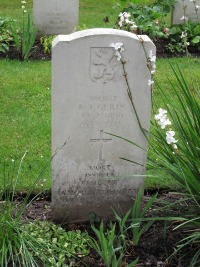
x: 170, y: 137
x: 150, y: 82
x: 163, y: 122
x: 120, y: 23
x: 162, y: 113
x: 175, y: 146
x: 160, y: 116
x: 23, y: 7
x: 25, y: 11
x: 133, y: 26
x: 152, y: 58
x: 197, y: 7
x: 23, y: 2
x: 162, y: 119
x: 124, y: 19
x: 118, y: 48
x: 183, y: 18
x: 126, y: 15
x: 153, y: 68
x: 118, y: 55
x: 127, y: 21
x: 183, y: 34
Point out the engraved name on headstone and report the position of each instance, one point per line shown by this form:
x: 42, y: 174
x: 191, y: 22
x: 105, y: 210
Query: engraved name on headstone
x: 53, y: 17
x: 89, y: 99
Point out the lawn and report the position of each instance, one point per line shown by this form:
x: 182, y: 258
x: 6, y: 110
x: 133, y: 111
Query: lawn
x: 25, y: 95
x: 25, y: 117
x: 91, y: 12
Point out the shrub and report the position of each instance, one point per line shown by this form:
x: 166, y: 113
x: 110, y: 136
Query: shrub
x: 5, y: 34
x: 148, y: 19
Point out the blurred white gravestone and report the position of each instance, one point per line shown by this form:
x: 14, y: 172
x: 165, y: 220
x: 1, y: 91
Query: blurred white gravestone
x: 53, y: 17
x: 184, y: 10
x: 89, y: 98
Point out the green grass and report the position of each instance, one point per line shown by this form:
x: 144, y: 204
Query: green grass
x: 12, y: 9
x: 189, y: 66
x: 25, y: 114
x: 25, y: 99
x: 91, y: 13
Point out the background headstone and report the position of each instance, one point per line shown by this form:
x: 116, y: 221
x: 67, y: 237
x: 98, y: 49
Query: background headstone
x: 53, y: 17
x: 190, y: 12
x: 90, y: 98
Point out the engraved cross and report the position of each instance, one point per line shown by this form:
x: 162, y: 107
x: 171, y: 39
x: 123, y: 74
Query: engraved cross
x: 100, y: 140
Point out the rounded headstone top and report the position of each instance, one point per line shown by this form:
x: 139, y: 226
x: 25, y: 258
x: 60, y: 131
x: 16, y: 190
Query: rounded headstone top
x: 98, y: 31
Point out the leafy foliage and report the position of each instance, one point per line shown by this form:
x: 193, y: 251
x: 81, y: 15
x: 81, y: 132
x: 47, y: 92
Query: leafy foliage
x: 182, y: 162
x: 108, y: 248
x: 5, y: 34
x: 62, y: 246
x: 150, y: 19
x: 112, y: 246
x: 184, y: 35
x: 133, y: 221
x: 33, y: 244
x: 14, y: 245
x: 46, y: 42
x: 24, y: 38
x: 192, y: 240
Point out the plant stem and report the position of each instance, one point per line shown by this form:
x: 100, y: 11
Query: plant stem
x: 131, y: 98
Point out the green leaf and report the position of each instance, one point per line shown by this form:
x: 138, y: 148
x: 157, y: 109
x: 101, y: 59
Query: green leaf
x: 197, y: 30
x: 175, y: 30
x: 132, y: 264
x: 196, y: 40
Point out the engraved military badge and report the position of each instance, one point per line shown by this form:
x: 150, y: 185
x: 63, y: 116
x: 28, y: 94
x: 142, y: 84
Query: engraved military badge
x: 103, y: 64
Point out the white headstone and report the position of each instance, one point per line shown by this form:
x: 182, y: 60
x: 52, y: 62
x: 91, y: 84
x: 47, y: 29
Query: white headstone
x: 184, y: 10
x: 53, y: 17
x: 90, y: 98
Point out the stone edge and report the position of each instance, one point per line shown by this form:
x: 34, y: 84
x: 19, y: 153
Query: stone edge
x: 98, y: 31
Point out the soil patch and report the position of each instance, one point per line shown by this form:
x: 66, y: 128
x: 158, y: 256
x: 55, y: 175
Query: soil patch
x: 39, y: 54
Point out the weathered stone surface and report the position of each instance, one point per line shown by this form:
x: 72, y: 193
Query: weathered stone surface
x: 89, y: 98
x: 53, y: 17
x: 185, y: 9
